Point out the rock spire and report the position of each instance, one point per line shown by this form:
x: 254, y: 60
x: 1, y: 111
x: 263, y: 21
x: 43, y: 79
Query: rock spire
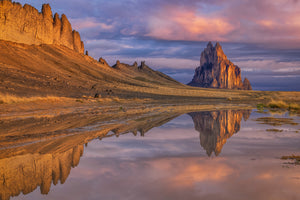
x: 216, y: 71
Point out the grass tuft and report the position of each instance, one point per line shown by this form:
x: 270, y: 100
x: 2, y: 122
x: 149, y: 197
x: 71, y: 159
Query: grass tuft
x: 274, y: 106
x: 294, y: 107
x: 277, y: 104
x: 260, y: 106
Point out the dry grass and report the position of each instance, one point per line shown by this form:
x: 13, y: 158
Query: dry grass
x: 9, y: 99
x: 294, y: 106
x: 277, y: 104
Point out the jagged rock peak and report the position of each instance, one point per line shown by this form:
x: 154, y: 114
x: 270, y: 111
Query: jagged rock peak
x: 135, y: 65
x: 46, y: 10
x: 216, y: 71
x: 212, y: 53
x: 118, y: 65
x: 143, y: 65
x: 103, y: 61
x: 210, y: 45
x: 247, y: 85
x: 217, y: 46
x: 29, y: 26
x: 219, y: 50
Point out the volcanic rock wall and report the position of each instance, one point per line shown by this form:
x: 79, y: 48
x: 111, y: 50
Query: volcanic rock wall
x: 25, y: 24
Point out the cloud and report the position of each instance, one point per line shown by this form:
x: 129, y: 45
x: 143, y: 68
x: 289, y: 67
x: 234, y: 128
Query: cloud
x: 173, y: 23
x: 273, y: 23
x: 194, y: 173
x: 269, y: 65
x: 90, y: 22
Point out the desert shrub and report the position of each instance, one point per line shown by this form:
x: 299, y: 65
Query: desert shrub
x: 294, y: 106
x: 260, y: 106
x: 277, y: 104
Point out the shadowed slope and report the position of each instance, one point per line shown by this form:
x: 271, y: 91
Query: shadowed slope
x: 57, y: 70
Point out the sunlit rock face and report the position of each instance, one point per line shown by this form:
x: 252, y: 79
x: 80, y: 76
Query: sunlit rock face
x: 216, y: 127
x: 25, y: 173
x: 29, y: 26
x: 216, y: 71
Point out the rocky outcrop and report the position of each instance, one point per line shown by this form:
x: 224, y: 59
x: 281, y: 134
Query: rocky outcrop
x: 216, y: 127
x: 247, y: 85
x: 216, y: 71
x: 29, y: 26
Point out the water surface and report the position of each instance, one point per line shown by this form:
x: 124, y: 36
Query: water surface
x: 199, y: 155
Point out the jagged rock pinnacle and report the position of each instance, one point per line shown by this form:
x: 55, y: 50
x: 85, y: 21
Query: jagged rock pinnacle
x: 247, y: 85
x: 210, y: 45
x: 217, y: 71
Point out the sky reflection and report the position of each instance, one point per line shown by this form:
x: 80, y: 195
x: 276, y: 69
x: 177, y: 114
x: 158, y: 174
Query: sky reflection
x: 169, y: 163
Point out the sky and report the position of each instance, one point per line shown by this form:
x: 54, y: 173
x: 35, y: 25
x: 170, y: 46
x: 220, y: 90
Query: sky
x: 262, y: 37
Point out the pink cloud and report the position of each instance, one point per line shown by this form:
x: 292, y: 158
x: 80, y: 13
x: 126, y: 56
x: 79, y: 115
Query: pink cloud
x: 173, y: 23
x: 257, y: 21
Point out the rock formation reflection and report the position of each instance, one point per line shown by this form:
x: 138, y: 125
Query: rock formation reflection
x: 31, y: 164
x: 24, y: 173
x: 216, y: 127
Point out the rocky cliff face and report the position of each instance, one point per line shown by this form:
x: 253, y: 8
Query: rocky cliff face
x: 216, y: 127
x: 27, y: 25
x: 216, y: 71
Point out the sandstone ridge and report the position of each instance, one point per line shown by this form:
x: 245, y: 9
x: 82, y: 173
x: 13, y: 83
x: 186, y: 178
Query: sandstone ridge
x: 216, y: 71
x: 25, y: 24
